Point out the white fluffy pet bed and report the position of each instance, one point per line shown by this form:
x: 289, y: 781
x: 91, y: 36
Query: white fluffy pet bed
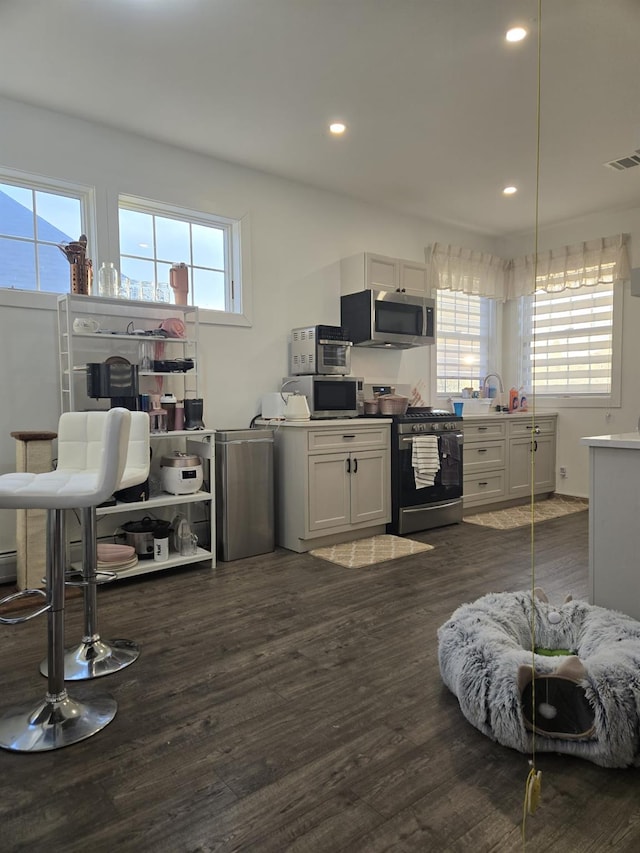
x: 587, y: 699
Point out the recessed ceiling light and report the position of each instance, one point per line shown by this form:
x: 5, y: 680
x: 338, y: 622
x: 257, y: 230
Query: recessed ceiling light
x: 509, y: 190
x: 516, y: 34
x: 337, y: 127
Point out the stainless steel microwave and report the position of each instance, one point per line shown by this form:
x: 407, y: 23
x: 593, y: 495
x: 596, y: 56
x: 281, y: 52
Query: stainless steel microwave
x: 387, y: 318
x: 329, y: 396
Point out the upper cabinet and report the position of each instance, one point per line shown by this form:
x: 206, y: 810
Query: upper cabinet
x: 367, y: 271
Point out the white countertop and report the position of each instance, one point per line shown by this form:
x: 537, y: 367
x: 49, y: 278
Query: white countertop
x: 324, y: 422
x: 626, y: 440
x: 492, y: 416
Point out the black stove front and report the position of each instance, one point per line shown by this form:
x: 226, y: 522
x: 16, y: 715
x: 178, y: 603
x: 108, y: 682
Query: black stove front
x: 426, y: 485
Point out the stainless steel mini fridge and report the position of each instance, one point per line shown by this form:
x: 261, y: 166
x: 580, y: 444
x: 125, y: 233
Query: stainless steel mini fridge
x: 244, y: 492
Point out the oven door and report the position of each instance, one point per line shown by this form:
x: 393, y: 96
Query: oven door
x: 432, y: 506
x: 333, y: 357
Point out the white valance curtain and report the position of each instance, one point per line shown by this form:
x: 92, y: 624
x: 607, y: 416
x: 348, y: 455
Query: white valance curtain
x: 601, y: 261
x: 467, y: 271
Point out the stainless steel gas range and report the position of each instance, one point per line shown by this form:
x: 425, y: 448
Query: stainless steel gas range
x: 412, y: 508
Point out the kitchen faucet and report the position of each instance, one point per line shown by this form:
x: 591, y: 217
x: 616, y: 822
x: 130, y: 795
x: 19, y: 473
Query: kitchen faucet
x: 486, y: 379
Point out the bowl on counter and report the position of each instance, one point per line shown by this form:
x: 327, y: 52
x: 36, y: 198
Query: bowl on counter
x: 392, y: 404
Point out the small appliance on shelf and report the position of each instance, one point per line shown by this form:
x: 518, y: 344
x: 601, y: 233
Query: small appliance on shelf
x: 324, y: 350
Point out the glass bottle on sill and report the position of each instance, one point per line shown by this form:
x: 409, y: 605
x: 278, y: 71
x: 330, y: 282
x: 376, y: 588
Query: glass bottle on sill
x: 108, y: 280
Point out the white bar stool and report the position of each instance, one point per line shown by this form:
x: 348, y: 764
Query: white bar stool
x: 99, y: 449
x: 93, y: 657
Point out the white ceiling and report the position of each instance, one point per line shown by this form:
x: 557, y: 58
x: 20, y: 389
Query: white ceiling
x: 441, y: 111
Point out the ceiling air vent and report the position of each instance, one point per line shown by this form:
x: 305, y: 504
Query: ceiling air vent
x: 625, y: 162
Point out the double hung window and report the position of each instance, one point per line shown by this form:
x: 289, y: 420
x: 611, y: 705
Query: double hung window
x: 38, y: 215
x: 466, y: 340
x: 154, y: 236
x: 35, y: 216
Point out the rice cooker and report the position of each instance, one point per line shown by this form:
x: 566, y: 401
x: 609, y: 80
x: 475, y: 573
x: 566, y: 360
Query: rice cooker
x: 181, y: 473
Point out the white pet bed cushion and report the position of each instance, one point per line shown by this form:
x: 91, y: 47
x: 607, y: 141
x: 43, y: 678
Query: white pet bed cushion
x: 484, y: 652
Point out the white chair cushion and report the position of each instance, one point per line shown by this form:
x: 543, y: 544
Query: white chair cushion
x: 137, y: 465
x: 94, y: 450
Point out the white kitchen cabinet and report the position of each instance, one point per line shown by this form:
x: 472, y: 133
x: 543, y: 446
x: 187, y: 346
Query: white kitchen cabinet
x: 368, y: 271
x: 333, y: 482
x: 484, y: 461
x: 614, y: 533
x: 78, y: 347
x: 348, y: 489
x: 497, y: 457
x: 413, y: 278
x: 529, y: 437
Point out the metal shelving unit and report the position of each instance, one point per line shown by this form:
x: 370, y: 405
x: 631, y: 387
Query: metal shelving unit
x: 77, y: 348
x: 115, y: 316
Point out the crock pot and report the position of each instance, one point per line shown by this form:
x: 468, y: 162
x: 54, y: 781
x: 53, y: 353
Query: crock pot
x: 181, y: 473
x: 140, y: 534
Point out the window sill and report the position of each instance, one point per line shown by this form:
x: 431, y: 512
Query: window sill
x: 554, y: 403
x: 13, y: 298
x: 208, y: 317
x: 611, y: 401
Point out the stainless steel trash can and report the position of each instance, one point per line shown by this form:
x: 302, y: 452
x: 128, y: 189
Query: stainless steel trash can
x: 244, y: 492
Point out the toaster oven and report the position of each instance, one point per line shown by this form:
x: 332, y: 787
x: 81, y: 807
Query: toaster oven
x: 320, y: 349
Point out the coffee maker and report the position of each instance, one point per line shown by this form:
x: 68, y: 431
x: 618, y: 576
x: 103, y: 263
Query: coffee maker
x: 116, y: 380
x: 193, y: 414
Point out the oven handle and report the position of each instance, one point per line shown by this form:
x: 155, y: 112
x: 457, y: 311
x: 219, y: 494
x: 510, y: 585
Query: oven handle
x: 406, y: 441
x: 407, y: 510
x: 336, y: 343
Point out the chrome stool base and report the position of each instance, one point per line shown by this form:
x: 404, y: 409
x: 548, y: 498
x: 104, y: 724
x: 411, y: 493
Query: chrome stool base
x: 94, y: 658
x: 55, y: 722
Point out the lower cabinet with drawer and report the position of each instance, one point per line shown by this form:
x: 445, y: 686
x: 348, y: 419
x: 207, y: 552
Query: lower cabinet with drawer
x: 485, y: 461
x: 333, y: 483
x: 498, y: 458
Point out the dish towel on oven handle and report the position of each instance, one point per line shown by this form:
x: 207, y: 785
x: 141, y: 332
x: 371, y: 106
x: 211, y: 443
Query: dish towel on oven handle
x: 450, y: 473
x: 425, y: 460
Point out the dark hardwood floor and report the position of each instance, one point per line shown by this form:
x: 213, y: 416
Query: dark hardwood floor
x: 283, y: 703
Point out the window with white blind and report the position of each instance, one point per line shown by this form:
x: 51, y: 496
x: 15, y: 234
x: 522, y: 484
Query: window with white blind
x: 465, y: 340
x: 570, y: 343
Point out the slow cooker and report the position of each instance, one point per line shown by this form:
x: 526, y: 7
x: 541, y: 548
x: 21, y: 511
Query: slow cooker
x: 140, y: 534
x: 181, y: 473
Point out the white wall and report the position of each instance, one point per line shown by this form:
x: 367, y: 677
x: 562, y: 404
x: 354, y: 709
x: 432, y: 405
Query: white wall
x: 298, y: 235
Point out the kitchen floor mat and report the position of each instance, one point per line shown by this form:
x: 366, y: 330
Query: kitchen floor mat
x: 368, y: 552
x: 519, y: 516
